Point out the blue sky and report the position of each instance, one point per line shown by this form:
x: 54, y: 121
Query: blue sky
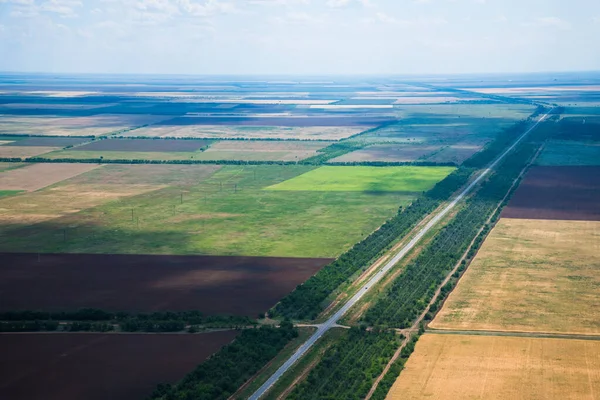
x: 299, y: 36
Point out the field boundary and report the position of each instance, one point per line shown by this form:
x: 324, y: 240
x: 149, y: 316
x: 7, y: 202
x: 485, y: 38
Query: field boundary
x: 509, y: 333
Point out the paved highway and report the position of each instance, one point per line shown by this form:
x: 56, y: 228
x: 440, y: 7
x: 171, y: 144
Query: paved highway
x: 331, y: 322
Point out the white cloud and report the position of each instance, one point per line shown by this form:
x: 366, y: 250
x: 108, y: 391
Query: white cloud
x: 549, y: 22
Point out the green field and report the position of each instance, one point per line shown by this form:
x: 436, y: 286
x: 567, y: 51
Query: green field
x: 559, y: 152
x: 7, y: 193
x: 366, y: 179
x: 227, y: 212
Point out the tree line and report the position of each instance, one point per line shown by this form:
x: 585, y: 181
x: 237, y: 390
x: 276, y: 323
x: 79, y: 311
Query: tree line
x: 218, y: 162
x: 95, y: 320
x: 349, y: 368
x: 222, y: 374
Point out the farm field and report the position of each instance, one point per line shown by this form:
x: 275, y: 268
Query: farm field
x: 141, y: 145
x: 7, y: 151
x: 99, y: 366
x: 45, y: 141
x: 530, y: 276
x: 566, y: 193
x: 389, y: 152
x: 251, y: 132
x: 165, y: 149
x: 227, y: 212
x: 499, y: 368
x: 243, y: 286
x: 75, y: 154
x: 366, y: 179
x: 569, y: 153
x: 38, y: 176
x: 96, y: 125
x: 408, y: 152
x: 262, y: 150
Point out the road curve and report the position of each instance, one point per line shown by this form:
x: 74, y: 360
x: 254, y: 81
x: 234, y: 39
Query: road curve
x: 331, y: 322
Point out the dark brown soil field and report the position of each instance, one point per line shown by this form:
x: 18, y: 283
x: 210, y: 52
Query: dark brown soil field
x: 99, y: 366
x: 210, y: 284
x: 158, y: 145
x: 564, y: 193
x: 48, y: 142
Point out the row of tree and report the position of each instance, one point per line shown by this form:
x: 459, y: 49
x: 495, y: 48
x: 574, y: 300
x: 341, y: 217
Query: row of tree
x: 96, y: 320
x: 221, y: 375
x: 349, y: 368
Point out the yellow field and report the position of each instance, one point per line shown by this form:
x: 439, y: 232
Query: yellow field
x: 533, y: 276
x: 500, y: 368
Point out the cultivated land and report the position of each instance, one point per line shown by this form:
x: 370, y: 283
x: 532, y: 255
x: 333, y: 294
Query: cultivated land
x: 55, y: 202
x: 122, y: 155
x: 144, y: 145
x: 478, y: 367
x: 47, y: 141
x: 38, y: 176
x: 81, y: 126
x: 532, y: 276
x: 97, y: 366
x: 262, y: 150
x: 366, y: 179
x: 567, y: 193
x: 252, y: 132
x: 7, y: 151
x: 567, y: 153
x: 227, y: 213
x: 166, y: 149
x: 212, y: 285
x: 389, y: 152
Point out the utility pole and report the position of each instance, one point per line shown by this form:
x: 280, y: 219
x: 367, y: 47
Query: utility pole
x: 181, y: 198
x: 132, y: 215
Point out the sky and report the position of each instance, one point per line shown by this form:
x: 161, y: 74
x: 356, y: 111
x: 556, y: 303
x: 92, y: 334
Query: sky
x: 299, y: 36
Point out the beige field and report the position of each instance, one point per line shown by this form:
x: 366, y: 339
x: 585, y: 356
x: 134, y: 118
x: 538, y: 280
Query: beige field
x: 25, y: 151
x: 350, y: 106
x: 532, y: 276
x: 74, y: 126
x: 516, y: 90
x: 433, y: 100
x: 38, y: 176
x: 257, y: 132
x: 262, y: 150
x: 456, y: 367
x: 61, y: 200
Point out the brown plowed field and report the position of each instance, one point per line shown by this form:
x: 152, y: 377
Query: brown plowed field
x: 158, y: 145
x: 99, y: 366
x: 565, y: 193
x: 210, y: 284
